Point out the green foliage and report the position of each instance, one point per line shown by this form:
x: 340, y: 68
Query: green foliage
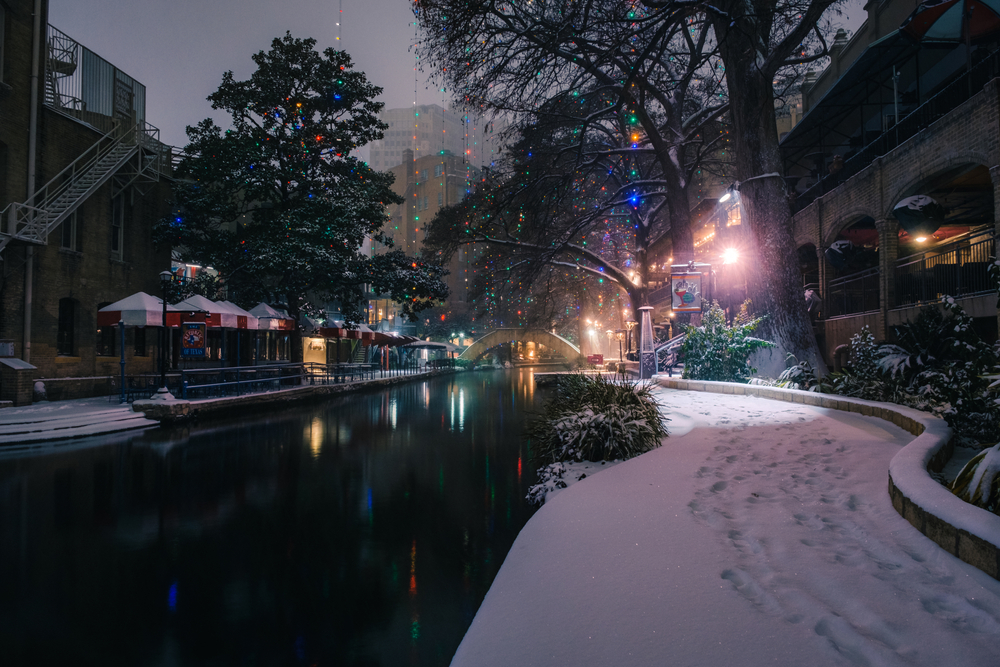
x: 979, y: 481
x: 937, y: 364
x: 719, y: 351
x: 862, y: 378
x: 594, y: 418
x: 277, y: 204
x: 800, y: 375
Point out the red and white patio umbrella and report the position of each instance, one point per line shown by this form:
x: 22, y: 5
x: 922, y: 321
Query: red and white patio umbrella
x: 137, y: 310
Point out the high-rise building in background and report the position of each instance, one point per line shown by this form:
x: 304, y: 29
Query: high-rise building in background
x: 427, y: 130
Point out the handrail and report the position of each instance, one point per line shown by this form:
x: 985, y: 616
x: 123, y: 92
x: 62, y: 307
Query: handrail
x: 933, y: 108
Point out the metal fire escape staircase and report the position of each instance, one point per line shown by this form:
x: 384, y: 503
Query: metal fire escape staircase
x: 126, y: 154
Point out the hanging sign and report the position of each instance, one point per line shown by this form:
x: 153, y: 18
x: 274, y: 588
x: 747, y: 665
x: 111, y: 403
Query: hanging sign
x: 685, y: 291
x: 193, y: 340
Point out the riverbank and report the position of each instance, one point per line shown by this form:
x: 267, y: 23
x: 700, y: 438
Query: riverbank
x: 760, y: 533
x: 86, y: 417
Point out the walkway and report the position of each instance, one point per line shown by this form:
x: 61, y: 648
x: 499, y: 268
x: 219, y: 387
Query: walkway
x: 68, y: 419
x: 761, y: 533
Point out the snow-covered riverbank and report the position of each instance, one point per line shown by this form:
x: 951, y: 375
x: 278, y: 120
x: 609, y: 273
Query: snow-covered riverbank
x: 761, y: 533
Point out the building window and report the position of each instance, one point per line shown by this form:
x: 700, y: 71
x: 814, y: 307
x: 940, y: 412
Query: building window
x: 71, y: 237
x: 734, y: 217
x: 65, y: 334
x: 440, y: 198
x: 139, y: 348
x: 106, y: 337
x: 438, y: 170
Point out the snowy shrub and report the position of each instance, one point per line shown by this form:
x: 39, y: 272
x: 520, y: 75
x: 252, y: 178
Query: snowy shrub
x: 862, y: 378
x: 720, y: 351
x: 940, y: 364
x: 937, y: 364
x: 595, y: 419
x: 800, y: 375
x: 979, y: 481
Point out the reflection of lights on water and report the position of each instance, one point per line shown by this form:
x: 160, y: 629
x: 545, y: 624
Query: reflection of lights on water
x: 343, y: 433
x: 427, y: 397
x: 461, y: 410
x: 316, y: 436
x: 519, y: 468
x: 413, y: 568
x: 392, y: 412
x: 172, y: 597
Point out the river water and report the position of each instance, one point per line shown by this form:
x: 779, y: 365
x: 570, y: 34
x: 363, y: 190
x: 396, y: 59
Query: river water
x: 365, y: 530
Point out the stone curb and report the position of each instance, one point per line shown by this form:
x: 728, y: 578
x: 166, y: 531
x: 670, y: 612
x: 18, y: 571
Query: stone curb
x: 929, y: 507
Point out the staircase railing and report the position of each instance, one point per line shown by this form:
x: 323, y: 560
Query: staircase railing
x: 33, y: 220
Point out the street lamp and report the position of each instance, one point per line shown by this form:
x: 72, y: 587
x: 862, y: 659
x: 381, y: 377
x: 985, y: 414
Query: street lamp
x: 631, y: 325
x: 165, y: 278
x: 620, y: 335
x: 611, y: 335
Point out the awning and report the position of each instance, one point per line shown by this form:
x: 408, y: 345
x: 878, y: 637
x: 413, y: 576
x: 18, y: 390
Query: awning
x: 340, y: 330
x: 138, y: 310
x: 271, y: 318
x: 214, y: 314
x: 244, y: 320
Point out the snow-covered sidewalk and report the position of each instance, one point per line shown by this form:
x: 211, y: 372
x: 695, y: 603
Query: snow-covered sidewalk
x: 57, y: 420
x: 760, y: 533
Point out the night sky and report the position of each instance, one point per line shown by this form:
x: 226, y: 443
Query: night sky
x: 180, y: 48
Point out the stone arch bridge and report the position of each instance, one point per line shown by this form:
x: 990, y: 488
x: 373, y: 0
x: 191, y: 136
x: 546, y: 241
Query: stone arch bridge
x: 556, y: 343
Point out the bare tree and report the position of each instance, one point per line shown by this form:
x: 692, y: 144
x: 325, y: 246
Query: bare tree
x: 623, y: 104
x: 757, y: 41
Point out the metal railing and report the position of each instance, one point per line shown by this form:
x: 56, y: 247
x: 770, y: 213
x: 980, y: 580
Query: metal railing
x: 84, y: 85
x: 202, y: 383
x: 960, y: 268
x: 856, y: 293
x: 33, y: 220
x: 934, y: 108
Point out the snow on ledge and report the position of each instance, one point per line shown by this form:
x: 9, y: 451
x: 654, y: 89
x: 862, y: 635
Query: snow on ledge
x: 966, y: 531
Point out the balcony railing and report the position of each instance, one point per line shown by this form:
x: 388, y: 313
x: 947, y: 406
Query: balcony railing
x: 84, y: 85
x: 856, y: 293
x: 956, y: 269
x: 934, y: 108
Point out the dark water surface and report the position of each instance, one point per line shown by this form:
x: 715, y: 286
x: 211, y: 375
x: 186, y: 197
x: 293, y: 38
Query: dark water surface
x: 362, y: 531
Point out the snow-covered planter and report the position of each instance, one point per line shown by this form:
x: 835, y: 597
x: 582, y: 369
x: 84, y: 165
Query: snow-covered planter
x: 979, y: 481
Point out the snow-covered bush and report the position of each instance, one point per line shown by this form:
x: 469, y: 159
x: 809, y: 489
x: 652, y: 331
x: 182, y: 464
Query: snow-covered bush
x: 979, y: 481
x: 800, y: 375
x: 595, y: 419
x: 862, y: 378
x: 938, y: 364
x: 720, y: 351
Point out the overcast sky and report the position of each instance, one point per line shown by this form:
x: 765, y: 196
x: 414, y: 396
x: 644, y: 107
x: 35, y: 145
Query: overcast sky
x: 179, y: 49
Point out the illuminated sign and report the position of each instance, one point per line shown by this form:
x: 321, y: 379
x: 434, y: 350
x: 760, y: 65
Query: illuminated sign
x: 685, y: 292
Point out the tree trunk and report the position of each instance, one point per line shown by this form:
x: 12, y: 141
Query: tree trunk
x: 774, y: 281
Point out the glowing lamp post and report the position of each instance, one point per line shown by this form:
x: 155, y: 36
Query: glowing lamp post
x: 647, y: 355
x: 620, y: 335
x: 611, y: 335
x: 628, y: 347
x: 163, y: 393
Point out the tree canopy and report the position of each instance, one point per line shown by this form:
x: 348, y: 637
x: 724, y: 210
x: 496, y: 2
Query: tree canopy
x: 278, y: 205
x: 638, y: 96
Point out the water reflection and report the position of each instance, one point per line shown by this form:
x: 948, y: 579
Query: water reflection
x: 364, y: 531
